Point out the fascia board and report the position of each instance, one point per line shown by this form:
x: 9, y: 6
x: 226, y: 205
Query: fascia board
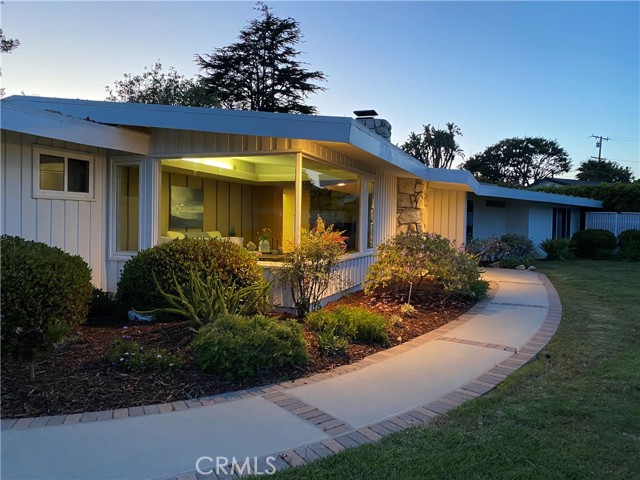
x: 69, y: 129
x: 540, y: 197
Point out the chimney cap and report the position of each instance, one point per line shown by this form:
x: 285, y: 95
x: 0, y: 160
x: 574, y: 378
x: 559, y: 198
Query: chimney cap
x: 365, y: 113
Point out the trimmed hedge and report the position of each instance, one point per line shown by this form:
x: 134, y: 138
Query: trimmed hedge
x: 630, y: 244
x: 206, y: 258
x: 45, y: 292
x: 593, y: 243
x: 235, y: 346
x: 617, y: 197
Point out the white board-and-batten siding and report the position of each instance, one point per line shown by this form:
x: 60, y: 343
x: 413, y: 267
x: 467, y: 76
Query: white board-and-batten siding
x: 76, y: 226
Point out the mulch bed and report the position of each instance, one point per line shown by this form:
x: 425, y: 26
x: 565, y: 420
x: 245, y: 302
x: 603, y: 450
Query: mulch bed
x: 76, y: 377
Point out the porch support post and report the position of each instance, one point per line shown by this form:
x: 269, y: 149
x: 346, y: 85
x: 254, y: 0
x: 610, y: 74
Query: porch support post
x: 298, y: 200
x: 149, y: 202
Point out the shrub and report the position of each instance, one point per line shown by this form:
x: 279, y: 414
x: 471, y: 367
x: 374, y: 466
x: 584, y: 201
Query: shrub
x: 593, y: 243
x: 101, y: 303
x: 201, y: 301
x: 630, y: 245
x: 410, y: 260
x: 556, y: 248
x: 207, y: 258
x: 407, y: 310
x: 128, y: 355
x: 310, y: 267
x: 351, y: 322
x: 45, y: 292
x: 511, y: 247
x: 616, y: 197
x: 235, y: 346
x: 332, y: 344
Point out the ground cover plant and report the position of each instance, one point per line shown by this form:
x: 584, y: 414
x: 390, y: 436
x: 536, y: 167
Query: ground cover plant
x: 571, y: 413
x: 507, y: 251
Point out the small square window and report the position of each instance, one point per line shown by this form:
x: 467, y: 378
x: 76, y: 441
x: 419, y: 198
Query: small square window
x: 56, y: 175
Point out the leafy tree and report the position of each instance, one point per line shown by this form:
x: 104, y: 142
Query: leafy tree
x: 519, y: 161
x: 7, y: 45
x: 604, y: 171
x: 435, y: 147
x: 260, y: 71
x: 162, y: 88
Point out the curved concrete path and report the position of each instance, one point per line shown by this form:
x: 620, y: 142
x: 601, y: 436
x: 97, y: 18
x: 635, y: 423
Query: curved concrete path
x: 293, y: 423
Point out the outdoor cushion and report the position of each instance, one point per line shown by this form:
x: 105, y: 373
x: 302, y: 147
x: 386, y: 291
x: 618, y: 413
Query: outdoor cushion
x: 197, y: 235
x: 171, y: 234
x: 214, y: 234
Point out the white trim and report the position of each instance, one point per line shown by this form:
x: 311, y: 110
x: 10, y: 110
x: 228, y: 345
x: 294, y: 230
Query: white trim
x: 114, y: 254
x: 64, y: 194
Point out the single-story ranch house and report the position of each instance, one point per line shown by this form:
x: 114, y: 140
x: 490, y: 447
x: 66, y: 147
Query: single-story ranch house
x: 104, y: 180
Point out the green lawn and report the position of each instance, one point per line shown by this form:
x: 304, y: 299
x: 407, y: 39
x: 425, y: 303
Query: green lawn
x: 574, y: 412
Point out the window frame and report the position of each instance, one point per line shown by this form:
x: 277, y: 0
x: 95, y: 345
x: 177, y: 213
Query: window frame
x: 66, y: 155
x: 114, y: 253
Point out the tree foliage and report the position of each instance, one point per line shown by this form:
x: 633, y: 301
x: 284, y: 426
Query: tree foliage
x: 519, y: 161
x: 261, y: 71
x: 7, y: 45
x: 435, y: 147
x: 162, y: 88
x: 604, y: 171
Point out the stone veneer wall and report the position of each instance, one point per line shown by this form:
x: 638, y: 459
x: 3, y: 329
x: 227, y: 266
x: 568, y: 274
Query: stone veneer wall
x: 412, y: 205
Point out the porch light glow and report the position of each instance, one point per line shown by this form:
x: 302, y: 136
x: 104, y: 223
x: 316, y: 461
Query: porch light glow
x: 212, y: 162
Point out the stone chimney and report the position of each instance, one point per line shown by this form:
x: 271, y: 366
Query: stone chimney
x: 378, y: 125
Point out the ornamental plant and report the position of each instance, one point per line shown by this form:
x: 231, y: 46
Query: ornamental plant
x: 310, y: 267
x: 128, y: 355
x: 411, y: 261
x: 45, y: 293
x: 593, y: 243
x: 173, y: 262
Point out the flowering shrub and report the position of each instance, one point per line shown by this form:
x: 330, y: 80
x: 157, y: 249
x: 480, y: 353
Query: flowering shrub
x: 126, y: 354
x: 225, y: 260
x: 515, y: 248
x: 410, y: 260
x: 310, y: 266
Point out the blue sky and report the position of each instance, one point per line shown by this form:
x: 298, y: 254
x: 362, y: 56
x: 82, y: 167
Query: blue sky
x: 497, y: 69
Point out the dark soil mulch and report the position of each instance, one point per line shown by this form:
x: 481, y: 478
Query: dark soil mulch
x: 77, y: 378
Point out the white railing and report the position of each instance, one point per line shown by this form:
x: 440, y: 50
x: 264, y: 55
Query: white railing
x: 612, y: 221
x: 350, y: 275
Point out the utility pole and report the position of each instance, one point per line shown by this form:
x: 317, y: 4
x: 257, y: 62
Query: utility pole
x: 599, y: 139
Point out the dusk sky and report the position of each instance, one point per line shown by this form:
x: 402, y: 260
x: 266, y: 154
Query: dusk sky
x: 563, y: 71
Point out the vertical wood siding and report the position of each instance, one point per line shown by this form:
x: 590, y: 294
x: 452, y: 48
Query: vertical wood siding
x: 75, y: 226
x: 446, y: 213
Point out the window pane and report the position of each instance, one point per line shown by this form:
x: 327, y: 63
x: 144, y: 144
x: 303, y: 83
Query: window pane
x: 78, y: 180
x: 370, y: 189
x: 128, y: 198
x: 334, y: 194
x: 51, y: 173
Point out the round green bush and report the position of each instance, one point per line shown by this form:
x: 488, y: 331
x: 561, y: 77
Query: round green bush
x: 593, y: 243
x: 45, y: 292
x: 228, y: 261
x: 630, y: 244
x: 234, y: 346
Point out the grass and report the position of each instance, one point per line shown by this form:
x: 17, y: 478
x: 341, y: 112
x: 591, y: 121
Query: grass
x: 574, y: 412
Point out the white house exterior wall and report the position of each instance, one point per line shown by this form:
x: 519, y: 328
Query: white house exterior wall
x: 541, y: 223
x: 446, y: 214
x: 76, y: 226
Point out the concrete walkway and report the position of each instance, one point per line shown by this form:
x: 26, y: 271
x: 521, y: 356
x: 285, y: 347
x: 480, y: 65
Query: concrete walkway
x: 297, y: 422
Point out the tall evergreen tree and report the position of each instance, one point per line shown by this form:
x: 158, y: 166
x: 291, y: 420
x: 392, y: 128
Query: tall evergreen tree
x: 261, y: 70
x: 604, y: 171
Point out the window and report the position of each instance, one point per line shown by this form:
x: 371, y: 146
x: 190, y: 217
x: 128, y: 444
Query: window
x: 334, y: 195
x: 370, y: 210
x: 127, y: 185
x: 469, y: 219
x: 561, y: 227
x: 62, y: 175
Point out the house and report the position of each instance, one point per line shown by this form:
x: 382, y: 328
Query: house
x: 104, y: 180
